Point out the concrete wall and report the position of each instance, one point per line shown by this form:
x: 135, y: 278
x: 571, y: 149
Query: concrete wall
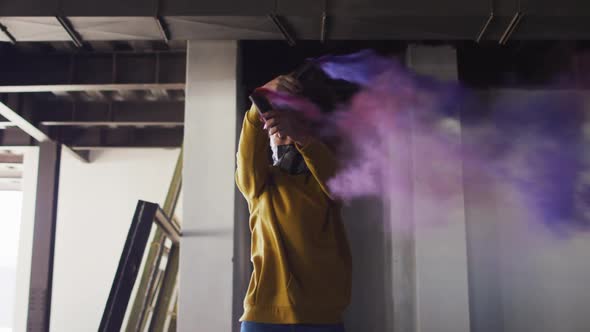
x: 522, y: 276
x: 472, y: 274
x: 95, y: 206
x: 371, y: 308
x: 442, y: 297
x: 206, y: 269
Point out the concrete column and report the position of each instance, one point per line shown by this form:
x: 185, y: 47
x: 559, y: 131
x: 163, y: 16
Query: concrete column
x: 442, y: 296
x: 205, y: 302
x: 41, y: 276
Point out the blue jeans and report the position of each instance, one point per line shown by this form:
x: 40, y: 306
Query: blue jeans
x: 263, y: 327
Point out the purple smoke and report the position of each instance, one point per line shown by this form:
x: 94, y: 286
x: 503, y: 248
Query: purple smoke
x: 532, y: 144
x: 361, y: 68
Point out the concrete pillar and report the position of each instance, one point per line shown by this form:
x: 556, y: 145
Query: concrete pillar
x: 442, y: 296
x: 206, y: 270
x: 41, y: 275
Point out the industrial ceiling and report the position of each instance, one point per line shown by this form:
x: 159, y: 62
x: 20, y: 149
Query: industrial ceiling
x: 111, y: 73
x: 36, y: 20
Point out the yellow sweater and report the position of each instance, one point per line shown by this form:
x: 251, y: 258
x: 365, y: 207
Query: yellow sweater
x: 300, y: 252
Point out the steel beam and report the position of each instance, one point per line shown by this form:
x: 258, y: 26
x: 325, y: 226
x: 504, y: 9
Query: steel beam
x: 23, y: 123
x: 33, y: 131
x: 11, y: 158
x: 110, y: 124
x: 82, y: 140
x: 93, y: 113
x: 86, y: 71
x: 96, y: 138
x: 14, y: 136
x: 11, y: 171
x: 89, y: 87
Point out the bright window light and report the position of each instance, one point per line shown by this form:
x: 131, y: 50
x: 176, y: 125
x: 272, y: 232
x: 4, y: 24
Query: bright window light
x: 10, y: 220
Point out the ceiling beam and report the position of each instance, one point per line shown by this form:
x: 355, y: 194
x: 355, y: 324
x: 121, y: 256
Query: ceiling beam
x: 33, y: 131
x: 6, y: 124
x: 110, y: 124
x: 23, y: 123
x: 125, y: 111
x: 11, y: 158
x: 96, y: 138
x: 349, y: 19
x: 135, y: 8
x: 86, y: 71
x: 14, y: 136
x: 83, y: 140
x: 157, y: 94
x: 89, y: 87
x: 63, y: 94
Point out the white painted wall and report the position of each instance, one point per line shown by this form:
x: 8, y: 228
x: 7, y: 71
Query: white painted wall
x: 25, y: 245
x: 206, y: 269
x: 95, y: 207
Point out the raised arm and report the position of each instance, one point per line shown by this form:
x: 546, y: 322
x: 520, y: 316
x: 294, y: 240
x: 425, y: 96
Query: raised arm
x: 252, y: 159
x: 320, y: 160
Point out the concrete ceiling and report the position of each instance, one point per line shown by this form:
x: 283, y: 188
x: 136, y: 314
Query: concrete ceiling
x: 34, y: 20
x: 113, y: 70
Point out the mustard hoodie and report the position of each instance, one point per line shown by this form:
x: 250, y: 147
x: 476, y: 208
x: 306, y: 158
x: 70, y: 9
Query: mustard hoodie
x: 300, y: 252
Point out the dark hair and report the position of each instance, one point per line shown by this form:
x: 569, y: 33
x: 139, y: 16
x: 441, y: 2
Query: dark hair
x: 324, y: 91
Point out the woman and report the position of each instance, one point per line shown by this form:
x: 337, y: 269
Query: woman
x: 302, y: 265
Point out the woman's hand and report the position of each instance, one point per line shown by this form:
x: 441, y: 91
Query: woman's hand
x: 283, y: 83
x: 286, y: 124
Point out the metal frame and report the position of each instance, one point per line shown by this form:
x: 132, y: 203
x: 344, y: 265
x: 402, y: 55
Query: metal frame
x: 511, y: 28
x: 151, y: 305
x: 163, y: 27
x: 163, y: 314
x: 513, y: 24
x: 277, y: 21
x: 7, y: 33
x: 323, y: 23
x: 146, y: 215
x: 485, y: 27
x: 69, y: 28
